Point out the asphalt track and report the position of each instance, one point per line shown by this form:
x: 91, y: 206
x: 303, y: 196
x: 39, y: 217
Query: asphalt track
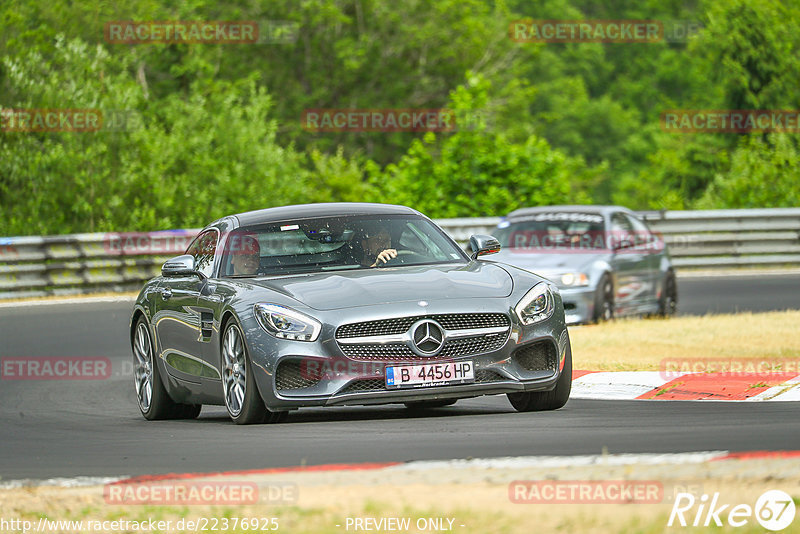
x: 93, y: 428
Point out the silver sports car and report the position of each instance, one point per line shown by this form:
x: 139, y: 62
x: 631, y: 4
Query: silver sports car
x: 604, y: 259
x: 343, y: 304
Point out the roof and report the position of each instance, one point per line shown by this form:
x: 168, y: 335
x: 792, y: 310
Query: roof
x: 330, y: 209
x: 600, y: 210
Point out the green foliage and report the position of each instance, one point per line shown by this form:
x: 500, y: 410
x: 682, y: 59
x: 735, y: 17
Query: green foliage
x: 190, y: 160
x: 478, y: 172
x: 220, y: 129
x: 762, y: 173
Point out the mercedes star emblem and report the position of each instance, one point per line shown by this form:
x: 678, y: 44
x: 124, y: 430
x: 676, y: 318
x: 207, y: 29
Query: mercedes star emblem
x: 427, y: 337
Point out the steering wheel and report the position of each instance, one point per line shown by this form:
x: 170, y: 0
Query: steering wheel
x: 402, y: 257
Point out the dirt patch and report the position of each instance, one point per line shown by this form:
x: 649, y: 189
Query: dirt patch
x: 464, y: 498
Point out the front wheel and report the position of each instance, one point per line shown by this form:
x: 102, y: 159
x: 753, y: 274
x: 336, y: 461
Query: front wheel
x: 242, y: 398
x: 668, y: 303
x: 535, y: 401
x: 604, y: 300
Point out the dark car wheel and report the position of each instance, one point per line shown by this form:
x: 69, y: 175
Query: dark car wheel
x: 153, y: 399
x: 534, y: 401
x: 604, y: 300
x: 242, y: 398
x: 668, y: 304
x: 426, y: 405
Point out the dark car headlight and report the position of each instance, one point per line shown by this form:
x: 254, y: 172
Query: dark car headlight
x: 537, y: 305
x: 286, y: 323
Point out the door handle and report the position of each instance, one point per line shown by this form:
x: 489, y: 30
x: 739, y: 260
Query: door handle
x: 166, y: 293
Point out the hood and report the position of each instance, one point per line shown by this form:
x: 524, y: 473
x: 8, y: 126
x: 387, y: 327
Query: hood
x: 366, y: 287
x: 550, y: 263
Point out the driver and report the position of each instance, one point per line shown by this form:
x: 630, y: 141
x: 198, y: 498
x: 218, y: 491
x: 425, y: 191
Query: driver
x: 246, y: 256
x: 376, y: 243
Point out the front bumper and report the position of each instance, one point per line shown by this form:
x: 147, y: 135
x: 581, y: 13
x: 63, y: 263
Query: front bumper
x: 513, y: 367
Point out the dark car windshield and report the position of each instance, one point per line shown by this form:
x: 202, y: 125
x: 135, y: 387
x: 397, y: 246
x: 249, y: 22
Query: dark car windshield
x: 553, y: 230
x: 333, y: 244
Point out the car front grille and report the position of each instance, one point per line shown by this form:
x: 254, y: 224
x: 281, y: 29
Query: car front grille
x: 482, y: 376
x: 290, y: 376
x: 387, y: 352
x: 472, y: 345
x: 400, y: 352
x: 538, y: 356
x: 450, y: 321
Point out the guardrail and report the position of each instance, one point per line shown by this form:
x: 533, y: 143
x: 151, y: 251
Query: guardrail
x: 81, y: 263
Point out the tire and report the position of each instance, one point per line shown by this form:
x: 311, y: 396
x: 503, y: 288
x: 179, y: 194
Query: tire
x: 242, y: 399
x: 151, y: 395
x: 427, y: 405
x: 536, y: 401
x: 668, y: 303
x: 604, y: 300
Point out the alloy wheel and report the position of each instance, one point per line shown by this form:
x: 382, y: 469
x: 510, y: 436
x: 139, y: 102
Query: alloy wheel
x: 234, y: 370
x: 143, y: 367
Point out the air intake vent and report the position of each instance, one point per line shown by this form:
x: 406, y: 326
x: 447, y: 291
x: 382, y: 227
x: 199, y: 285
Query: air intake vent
x: 539, y: 356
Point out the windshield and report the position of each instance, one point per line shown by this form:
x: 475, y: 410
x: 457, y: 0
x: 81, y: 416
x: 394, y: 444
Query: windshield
x: 334, y: 244
x: 553, y: 230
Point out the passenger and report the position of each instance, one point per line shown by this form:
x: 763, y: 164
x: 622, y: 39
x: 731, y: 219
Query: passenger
x: 245, y: 255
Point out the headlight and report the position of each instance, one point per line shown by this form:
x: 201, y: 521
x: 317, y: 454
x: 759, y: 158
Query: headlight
x: 537, y: 305
x: 575, y: 279
x: 285, y: 323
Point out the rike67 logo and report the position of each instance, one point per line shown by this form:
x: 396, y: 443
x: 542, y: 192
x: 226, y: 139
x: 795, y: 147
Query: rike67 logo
x: 774, y: 510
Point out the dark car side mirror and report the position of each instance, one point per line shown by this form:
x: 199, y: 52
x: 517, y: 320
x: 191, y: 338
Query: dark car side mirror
x: 180, y: 266
x: 481, y: 245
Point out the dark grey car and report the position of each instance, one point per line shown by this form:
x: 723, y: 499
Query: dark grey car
x: 604, y: 259
x: 283, y: 308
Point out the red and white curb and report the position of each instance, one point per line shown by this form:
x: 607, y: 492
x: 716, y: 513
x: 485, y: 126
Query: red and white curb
x: 518, y: 462
x: 658, y: 385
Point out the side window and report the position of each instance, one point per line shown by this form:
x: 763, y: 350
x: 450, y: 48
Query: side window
x: 416, y: 240
x: 641, y: 232
x: 621, y: 230
x: 203, y: 250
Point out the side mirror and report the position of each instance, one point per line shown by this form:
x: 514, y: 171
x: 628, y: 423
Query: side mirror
x: 180, y: 266
x: 481, y: 245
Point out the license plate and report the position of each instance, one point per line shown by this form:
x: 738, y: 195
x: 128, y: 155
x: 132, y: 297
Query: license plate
x: 433, y: 374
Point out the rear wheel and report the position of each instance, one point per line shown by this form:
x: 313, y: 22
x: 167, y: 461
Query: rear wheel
x: 668, y: 304
x: 151, y: 395
x: 604, y: 300
x: 534, y: 401
x: 242, y: 398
